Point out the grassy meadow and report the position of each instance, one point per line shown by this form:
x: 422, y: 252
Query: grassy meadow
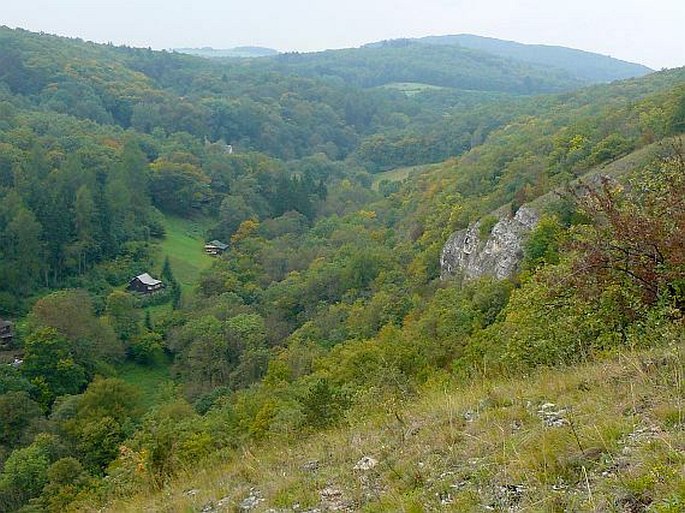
x: 183, y: 244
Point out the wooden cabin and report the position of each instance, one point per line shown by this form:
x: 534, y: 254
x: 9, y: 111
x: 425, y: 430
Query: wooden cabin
x: 215, y: 247
x: 145, y: 284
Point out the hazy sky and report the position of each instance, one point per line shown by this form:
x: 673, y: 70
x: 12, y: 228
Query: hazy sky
x: 651, y: 32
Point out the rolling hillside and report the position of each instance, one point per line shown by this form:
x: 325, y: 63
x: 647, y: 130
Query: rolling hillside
x: 580, y: 64
x: 438, y: 65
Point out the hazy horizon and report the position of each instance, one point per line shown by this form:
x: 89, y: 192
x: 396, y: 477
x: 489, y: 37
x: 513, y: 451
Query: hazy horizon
x: 646, y: 32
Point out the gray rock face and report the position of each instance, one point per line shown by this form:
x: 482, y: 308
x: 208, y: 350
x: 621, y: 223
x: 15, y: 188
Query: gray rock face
x: 499, y: 255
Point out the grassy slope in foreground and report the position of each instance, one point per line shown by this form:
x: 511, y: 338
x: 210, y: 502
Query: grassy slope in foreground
x: 606, y: 436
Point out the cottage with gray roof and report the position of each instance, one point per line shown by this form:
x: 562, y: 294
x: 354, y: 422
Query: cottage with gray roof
x: 145, y: 284
x: 215, y: 247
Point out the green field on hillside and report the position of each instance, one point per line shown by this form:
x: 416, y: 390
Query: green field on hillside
x: 412, y: 88
x: 183, y: 244
x: 153, y: 381
x: 401, y: 173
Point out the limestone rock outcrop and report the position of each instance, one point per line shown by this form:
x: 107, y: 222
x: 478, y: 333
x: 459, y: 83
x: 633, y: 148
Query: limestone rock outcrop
x: 498, y: 255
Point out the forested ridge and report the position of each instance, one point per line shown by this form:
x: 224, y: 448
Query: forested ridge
x: 579, y: 64
x: 327, y: 304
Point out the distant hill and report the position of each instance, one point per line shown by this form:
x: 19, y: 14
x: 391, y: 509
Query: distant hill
x: 463, y: 62
x: 239, y: 52
x: 580, y: 64
x: 407, y: 61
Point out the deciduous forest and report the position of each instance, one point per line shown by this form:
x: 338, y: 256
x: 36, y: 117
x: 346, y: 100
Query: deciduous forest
x: 333, y: 181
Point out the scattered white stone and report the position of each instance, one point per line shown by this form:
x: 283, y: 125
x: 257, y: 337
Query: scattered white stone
x: 643, y: 434
x: 511, y: 491
x: 251, y: 501
x: 191, y: 493
x: 332, y: 500
x: 507, y: 497
x: 310, y: 466
x: 330, y: 492
x: 553, y: 416
x: 459, y: 485
x: 445, y: 498
x: 366, y: 463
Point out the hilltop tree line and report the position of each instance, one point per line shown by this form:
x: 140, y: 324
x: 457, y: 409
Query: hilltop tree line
x: 264, y: 106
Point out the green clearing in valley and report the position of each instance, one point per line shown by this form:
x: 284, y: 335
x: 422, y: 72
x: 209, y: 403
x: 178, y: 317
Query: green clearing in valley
x: 412, y: 88
x: 151, y: 380
x: 184, y: 245
x: 400, y: 173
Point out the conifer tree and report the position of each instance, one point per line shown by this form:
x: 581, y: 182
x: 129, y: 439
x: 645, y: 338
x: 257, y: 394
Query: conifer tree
x: 170, y: 280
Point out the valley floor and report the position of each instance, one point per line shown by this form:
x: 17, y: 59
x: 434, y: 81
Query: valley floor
x: 605, y: 436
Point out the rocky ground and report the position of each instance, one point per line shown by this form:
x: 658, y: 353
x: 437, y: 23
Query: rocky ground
x: 605, y: 437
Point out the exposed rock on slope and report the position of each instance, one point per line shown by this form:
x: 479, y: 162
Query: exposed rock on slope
x: 465, y: 254
x: 497, y: 255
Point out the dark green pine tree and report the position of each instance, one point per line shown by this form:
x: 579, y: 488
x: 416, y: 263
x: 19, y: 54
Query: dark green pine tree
x: 169, y: 279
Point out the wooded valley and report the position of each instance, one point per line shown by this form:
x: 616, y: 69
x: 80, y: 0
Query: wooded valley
x: 202, y: 259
